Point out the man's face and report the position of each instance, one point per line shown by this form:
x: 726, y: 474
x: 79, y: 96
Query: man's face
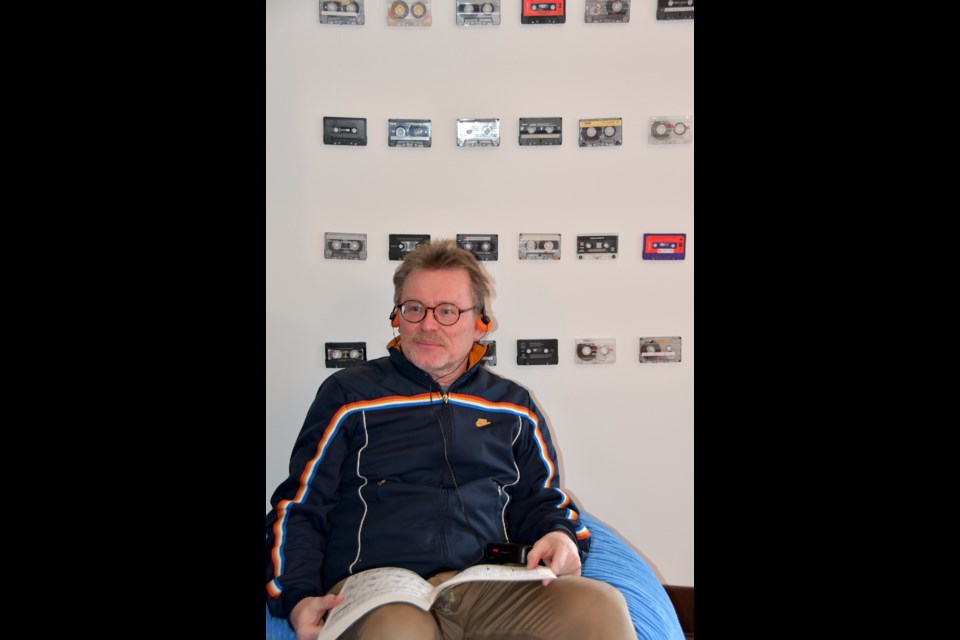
x: 439, y: 350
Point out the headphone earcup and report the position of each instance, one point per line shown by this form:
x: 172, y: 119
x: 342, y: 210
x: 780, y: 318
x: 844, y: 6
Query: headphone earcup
x: 394, y: 319
x: 483, y: 323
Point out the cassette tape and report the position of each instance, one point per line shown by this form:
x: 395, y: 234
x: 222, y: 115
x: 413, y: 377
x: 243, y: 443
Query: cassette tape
x: 661, y: 349
x: 671, y: 129
x: 606, y: 11
x: 478, y: 14
x: 674, y: 9
x: 341, y: 12
x: 409, y: 133
x: 345, y: 354
x: 598, y: 247
x: 539, y: 246
x: 537, y: 351
x: 345, y: 246
x: 401, y: 13
x: 482, y: 132
x: 537, y: 131
x: 490, y: 357
x: 539, y: 12
x: 402, y: 244
x: 664, y: 246
x: 484, y: 247
x: 603, y: 132
x: 351, y: 131
x: 596, y: 351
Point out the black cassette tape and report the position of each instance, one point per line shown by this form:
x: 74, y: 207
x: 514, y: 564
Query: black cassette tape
x: 485, y: 13
x: 674, y: 9
x: 345, y: 354
x: 601, y: 132
x: 341, y: 12
x: 484, y: 247
x: 402, y: 244
x: 537, y: 351
x: 596, y: 351
x: 540, y: 12
x: 351, y: 131
x: 490, y: 357
x: 660, y: 349
x: 539, y: 246
x: 345, y: 246
x: 537, y: 131
x: 598, y: 247
x: 409, y: 13
x: 671, y: 130
x: 606, y: 11
x: 478, y: 132
x: 409, y: 133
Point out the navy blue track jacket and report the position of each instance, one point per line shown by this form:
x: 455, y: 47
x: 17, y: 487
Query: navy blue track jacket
x: 390, y: 471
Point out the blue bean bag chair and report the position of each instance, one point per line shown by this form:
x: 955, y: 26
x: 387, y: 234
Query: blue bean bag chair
x: 612, y: 561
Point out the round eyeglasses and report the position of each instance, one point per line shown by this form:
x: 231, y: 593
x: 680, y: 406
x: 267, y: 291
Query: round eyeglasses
x: 446, y: 313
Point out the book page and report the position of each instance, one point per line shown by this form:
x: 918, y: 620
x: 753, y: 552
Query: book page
x: 370, y: 589
x: 494, y: 572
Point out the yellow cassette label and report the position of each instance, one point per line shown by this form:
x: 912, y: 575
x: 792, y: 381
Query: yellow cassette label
x: 616, y: 122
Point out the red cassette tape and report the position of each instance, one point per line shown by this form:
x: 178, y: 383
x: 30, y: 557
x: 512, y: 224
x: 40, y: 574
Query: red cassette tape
x: 664, y: 246
x: 543, y: 11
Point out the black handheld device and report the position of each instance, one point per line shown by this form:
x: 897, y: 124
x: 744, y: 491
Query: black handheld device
x: 507, y: 553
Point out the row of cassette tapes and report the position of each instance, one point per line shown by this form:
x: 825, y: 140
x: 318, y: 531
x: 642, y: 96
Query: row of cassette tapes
x: 541, y: 351
x: 530, y: 246
x: 487, y: 13
x: 485, y: 132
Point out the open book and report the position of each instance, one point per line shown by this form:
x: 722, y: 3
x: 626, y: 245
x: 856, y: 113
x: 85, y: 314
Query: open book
x: 374, y: 587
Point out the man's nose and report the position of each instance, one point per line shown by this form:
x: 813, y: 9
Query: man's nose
x: 429, y: 322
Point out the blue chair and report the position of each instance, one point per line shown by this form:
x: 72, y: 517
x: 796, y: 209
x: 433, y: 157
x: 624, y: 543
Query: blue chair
x: 612, y: 561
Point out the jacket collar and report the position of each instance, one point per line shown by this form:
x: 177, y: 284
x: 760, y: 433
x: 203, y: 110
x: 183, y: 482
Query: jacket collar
x: 477, y: 351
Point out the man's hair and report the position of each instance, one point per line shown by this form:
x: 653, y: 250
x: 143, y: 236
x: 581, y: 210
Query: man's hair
x: 441, y: 255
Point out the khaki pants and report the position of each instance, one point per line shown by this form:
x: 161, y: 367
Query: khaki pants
x: 569, y: 608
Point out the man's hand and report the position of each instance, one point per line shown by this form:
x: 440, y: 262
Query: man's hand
x: 558, y: 551
x: 307, y: 615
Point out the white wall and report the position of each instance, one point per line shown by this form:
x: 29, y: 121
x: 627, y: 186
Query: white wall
x: 624, y: 431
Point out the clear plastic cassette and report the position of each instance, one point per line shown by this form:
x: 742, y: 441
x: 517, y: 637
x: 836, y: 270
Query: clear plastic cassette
x: 485, y: 13
x: 606, y: 11
x: 539, y: 131
x: 490, y: 357
x: 598, y: 247
x: 660, y: 349
x: 601, y: 132
x: 409, y: 133
x: 596, y: 351
x: 484, y: 247
x: 478, y: 132
x: 539, y: 246
x: 341, y: 12
x: 675, y: 9
x: 671, y: 129
x: 543, y: 12
x: 345, y: 354
x: 409, y: 13
x: 402, y: 244
x: 345, y: 246
x: 537, y: 351
x: 351, y: 131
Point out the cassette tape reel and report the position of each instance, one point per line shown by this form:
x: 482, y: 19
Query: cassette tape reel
x: 480, y: 132
x: 539, y: 246
x: 351, y: 131
x: 345, y: 246
x: 596, y: 351
x: 660, y: 349
x: 409, y: 13
x: 541, y: 131
x: 345, y: 354
x: 490, y: 357
x: 664, y: 246
x: 484, y: 247
x: 402, y: 244
x: 604, y: 132
x: 341, y: 12
x: 675, y: 9
x: 606, y: 11
x: 537, y: 351
x: 598, y: 247
x: 671, y: 130
x: 485, y: 13
x: 409, y: 133
x: 543, y: 12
